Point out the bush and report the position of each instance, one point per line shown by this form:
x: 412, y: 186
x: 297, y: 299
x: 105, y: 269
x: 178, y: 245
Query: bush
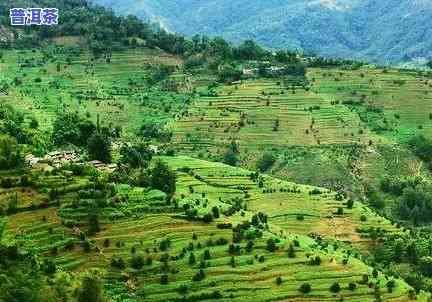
x: 137, y: 262
x: 118, y: 262
x: 199, y: 276
x: 352, y: 286
x: 207, y: 218
x: 206, y: 255
x: 305, y: 288
x: 266, y: 162
x: 279, y: 280
x: 230, y: 158
x: 271, y: 245
x: 335, y: 287
x: 164, y: 279
x: 99, y: 147
x: 291, y: 251
x: 192, y: 259
x: 422, y: 147
x: 300, y: 217
x: 163, y: 178
x: 315, y: 261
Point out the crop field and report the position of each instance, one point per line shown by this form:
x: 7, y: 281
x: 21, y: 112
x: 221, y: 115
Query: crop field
x: 143, y: 226
x: 393, y: 103
x: 291, y: 208
x: 115, y: 88
x: 264, y: 113
x: 228, y: 231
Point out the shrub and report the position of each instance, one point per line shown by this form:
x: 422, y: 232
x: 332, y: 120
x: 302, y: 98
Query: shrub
x: 164, y: 279
x: 266, y: 162
x: 118, y: 262
x: 207, y: 218
x: 192, y: 259
x: 305, y: 288
x: 137, y: 262
x: 199, y: 276
x: 215, y: 212
x: 391, y: 284
x: 232, y: 262
x: 335, y: 287
x: 352, y: 286
x: 206, y: 255
x: 279, y: 280
x: 291, y: 251
x: 315, y: 261
x: 271, y: 245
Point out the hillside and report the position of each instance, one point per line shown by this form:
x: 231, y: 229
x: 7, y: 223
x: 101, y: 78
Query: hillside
x: 235, y: 260
x: 139, y: 165
x: 44, y: 210
x: 379, y: 31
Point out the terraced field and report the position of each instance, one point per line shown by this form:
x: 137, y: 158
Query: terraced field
x: 395, y: 103
x: 115, y: 87
x: 263, y: 113
x: 291, y: 208
x: 143, y: 226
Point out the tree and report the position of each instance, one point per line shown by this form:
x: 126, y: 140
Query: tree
x: 279, y: 280
x: 305, y: 288
x: 163, y: 178
x: 266, y: 162
x: 10, y: 154
x: 99, y: 147
x: 422, y: 147
x: 90, y: 290
x: 137, y: 262
x: 335, y: 287
x: 70, y: 128
x: 136, y: 156
x: 352, y: 286
x: 230, y: 158
x: 228, y: 73
x: 425, y: 265
x: 93, y: 222
x: 192, y: 259
x: 291, y: 251
x: 249, y: 50
x: 429, y: 64
x: 215, y: 212
x: 271, y: 245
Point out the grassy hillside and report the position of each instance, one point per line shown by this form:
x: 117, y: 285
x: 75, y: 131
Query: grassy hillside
x: 331, y: 136
x: 137, y: 165
x: 146, y: 227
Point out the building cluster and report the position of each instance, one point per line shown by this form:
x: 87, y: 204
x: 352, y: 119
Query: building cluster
x: 56, y: 159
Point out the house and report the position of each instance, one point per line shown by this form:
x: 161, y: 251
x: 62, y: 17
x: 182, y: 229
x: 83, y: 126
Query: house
x: 59, y: 158
x: 250, y: 71
x: 32, y: 160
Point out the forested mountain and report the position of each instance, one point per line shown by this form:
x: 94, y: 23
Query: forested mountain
x: 383, y: 31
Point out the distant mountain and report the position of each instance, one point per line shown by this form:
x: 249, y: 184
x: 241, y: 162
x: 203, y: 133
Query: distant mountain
x: 386, y: 31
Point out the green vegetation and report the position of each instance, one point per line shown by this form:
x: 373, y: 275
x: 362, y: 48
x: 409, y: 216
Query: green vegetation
x: 168, y: 169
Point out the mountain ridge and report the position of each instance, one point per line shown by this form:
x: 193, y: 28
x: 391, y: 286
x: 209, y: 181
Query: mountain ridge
x: 382, y: 32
